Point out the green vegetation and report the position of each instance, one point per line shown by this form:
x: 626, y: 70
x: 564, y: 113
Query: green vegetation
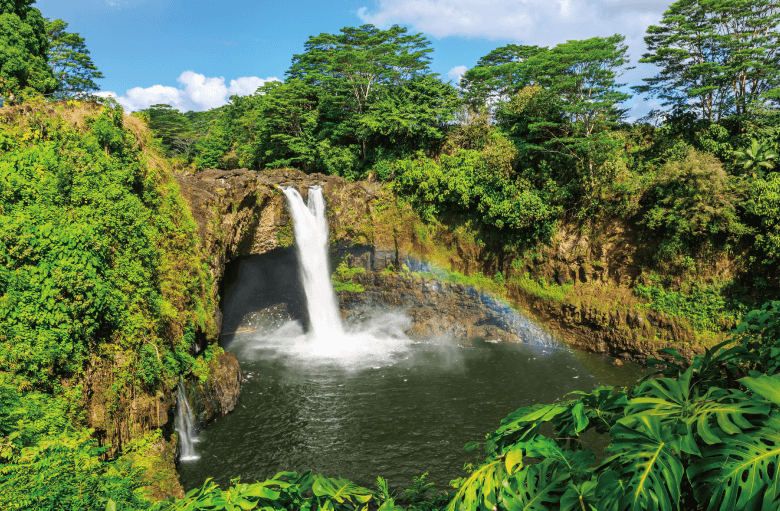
x: 23, y: 45
x: 542, y: 289
x: 705, y: 309
x: 69, y: 59
x: 100, y: 268
x: 343, y: 278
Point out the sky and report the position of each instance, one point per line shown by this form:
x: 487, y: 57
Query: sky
x: 194, y: 55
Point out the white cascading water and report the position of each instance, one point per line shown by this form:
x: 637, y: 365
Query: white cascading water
x: 310, y: 225
x: 184, y: 423
x: 374, y: 342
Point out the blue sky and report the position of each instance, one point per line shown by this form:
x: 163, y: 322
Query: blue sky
x: 194, y: 54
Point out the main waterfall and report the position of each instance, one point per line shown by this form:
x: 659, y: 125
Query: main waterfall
x: 376, y: 341
x: 310, y: 225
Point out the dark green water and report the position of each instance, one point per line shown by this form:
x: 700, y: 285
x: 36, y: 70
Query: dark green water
x: 401, y: 416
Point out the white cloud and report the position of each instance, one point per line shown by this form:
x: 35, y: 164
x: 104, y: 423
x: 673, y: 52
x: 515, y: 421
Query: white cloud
x: 543, y: 22
x: 199, y: 92
x: 456, y: 73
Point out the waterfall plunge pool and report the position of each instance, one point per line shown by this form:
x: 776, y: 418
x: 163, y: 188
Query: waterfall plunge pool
x: 408, y: 416
x: 363, y: 400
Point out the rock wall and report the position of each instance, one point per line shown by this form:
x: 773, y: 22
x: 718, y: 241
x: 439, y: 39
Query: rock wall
x: 442, y: 310
x: 217, y: 395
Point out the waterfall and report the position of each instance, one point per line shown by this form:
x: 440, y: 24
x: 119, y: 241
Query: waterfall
x: 310, y: 226
x: 184, y: 422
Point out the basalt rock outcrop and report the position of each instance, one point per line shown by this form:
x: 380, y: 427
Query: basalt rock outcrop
x: 217, y: 395
x: 441, y: 309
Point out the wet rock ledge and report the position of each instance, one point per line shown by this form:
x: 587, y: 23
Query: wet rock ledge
x: 217, y: 395
x: 442, y: 310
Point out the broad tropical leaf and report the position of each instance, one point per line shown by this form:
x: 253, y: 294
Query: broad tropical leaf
x: 600, y: 408
x: 765, y: 386
x: 736, y: 473
x: 580, y: 497
x: 340, y: 490
x: 534, y: 488
x: 672, y: 400
x: 480, y: 491
x: 646, y: 465
x: 522, y: 425
x: 576, y: 463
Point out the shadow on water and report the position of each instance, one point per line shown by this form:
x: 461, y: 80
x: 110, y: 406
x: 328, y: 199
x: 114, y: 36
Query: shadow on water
x: 257, y: 282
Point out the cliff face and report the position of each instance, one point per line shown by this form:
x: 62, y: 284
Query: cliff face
x: 218, y: 394
x: 243, y: 212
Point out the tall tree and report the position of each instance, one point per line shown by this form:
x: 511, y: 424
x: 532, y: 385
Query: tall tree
x: 577, y: 83
x: 69, y: 59
x: 414, y: 116
x: 716, y: 57
x: 23, y: 48
x: 170, y: 126
x: 498, y: 75
x: 282, y: 127
x: 351, y: 67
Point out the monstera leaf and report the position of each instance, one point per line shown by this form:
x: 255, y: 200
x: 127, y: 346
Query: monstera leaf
x: 765, y: 386
x: 709, y: 370
x: 481, y: 490
x: 340, y: 490
x: 600, y: 408
x: 534, y: 488
x: 580, y: 497
x: 521, y: 425
x: 741, y: 471
x: 647, y: 471
x: 675, y: 401
x: 576, y: 464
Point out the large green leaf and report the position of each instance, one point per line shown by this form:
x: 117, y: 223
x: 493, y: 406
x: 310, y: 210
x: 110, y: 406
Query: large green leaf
x: 765, y: 386
x: 534, y: 488
x: 480, y: 491
x: 580, y: 497
x: 521, y: 425
x: 576, y: 463
x: 646, y: 465
x: 736, y: 473
x: 340, y: 490
x: 675, y: 400
x: 601, y: 408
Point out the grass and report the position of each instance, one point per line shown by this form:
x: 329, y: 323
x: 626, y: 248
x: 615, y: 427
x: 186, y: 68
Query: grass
x: 542, y: 289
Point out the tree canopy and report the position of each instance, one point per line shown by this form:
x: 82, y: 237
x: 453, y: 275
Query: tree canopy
x: 69, y: 59
x: 716, y: 57
x: 23, y: 49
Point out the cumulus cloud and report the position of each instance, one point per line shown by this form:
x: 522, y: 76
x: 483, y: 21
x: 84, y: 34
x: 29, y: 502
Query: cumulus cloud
x: 197, y: 92
x: 456, y: 73
x: 543, y: 22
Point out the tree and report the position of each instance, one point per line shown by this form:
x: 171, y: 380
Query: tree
x: 70, y: 61
x: 498, y: 75
x: 282, y: 125
x: 579, y: 77
x: 414, y: 116
x: 23, y: 47
x: 169, y: 125
x: 351, y: 68
x: 716, y: 57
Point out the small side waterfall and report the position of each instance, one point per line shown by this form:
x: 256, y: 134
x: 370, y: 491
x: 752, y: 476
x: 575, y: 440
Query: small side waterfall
x: 310, y: 225
x: 184, y: 422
